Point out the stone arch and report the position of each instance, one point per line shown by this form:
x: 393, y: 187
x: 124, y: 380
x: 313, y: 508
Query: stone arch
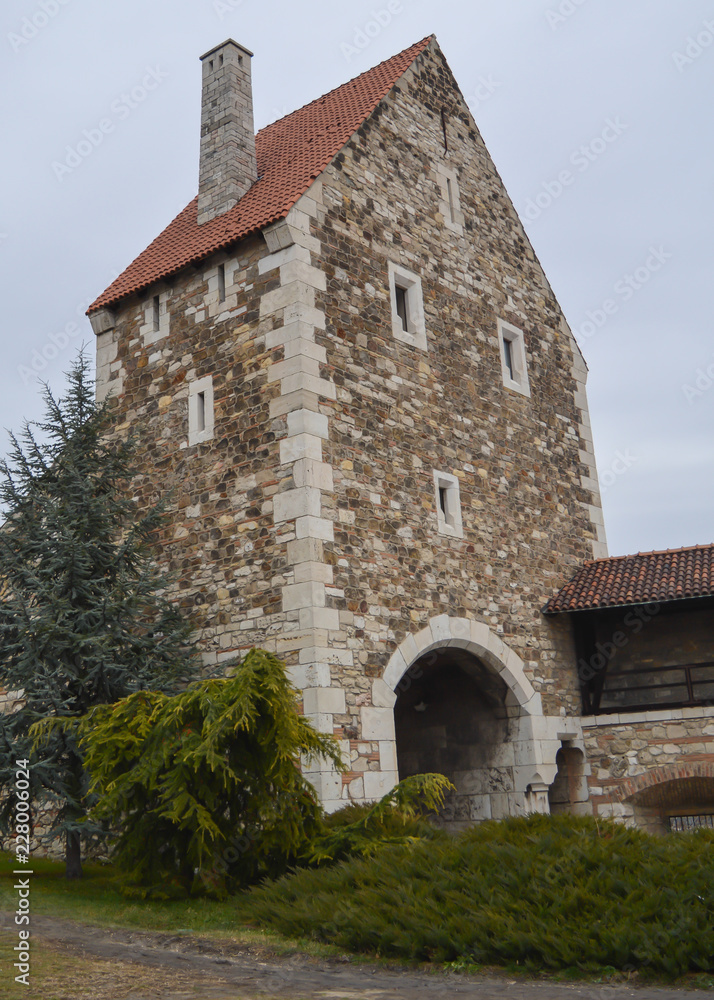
x: 660, y: 775
x: 475, y: 637
x: 684, y: 791
x: 532, y: 741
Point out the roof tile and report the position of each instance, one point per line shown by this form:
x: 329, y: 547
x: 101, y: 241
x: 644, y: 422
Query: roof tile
x: 645, y: 578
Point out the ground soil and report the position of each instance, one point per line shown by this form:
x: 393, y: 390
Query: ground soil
x: 99, y: 963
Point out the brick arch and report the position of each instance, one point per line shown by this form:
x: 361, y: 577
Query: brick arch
x: 462, y: 633
x: 661, y: 775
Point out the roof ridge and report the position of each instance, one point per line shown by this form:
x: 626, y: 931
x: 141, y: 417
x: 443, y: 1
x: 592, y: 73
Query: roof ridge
x: 424, y: 41
x: 653, y: 552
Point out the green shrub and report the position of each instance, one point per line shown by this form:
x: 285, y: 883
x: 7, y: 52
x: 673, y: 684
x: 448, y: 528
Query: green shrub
x: 546, y: 892
x: 398, y: 818
x: 204, y: 786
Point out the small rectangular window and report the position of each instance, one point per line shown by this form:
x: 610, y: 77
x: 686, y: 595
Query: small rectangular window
x: 449, y: 198
x: 200, y: 410
x: 512, y: 349
x: 157, y: 312
x: 407, y: 306
x: 221, y: 282
x: 448, y: 504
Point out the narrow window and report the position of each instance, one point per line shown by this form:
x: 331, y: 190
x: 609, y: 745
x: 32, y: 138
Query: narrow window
x: 407, y: 307
x: 200, y: 410
x: 508, y: 358
x: 442, y: 500
x: 448, y: 504
x: 221, y: 282
x: 450, y: 192
x: 157, y: 313
x: 400, y: 295
x: 512, y: 349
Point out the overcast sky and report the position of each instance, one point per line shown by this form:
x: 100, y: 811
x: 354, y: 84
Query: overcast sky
x: 598, y: 115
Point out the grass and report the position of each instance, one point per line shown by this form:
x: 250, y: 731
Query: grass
x: 540, y: 895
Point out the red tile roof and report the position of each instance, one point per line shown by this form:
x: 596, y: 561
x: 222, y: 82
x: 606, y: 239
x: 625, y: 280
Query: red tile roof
x: 645, y: 578
x: 292, y: 153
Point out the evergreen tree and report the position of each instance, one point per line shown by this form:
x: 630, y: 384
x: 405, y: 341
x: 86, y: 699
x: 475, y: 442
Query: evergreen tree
x: 84, y: 619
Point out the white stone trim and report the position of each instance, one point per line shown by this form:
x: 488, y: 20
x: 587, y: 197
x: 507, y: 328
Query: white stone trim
x: 450, y: 200
x: 478, y: 639
x: 318, y: 644
x: 590, y: 481
x: 411, y: 282
x: 660, y: 715
x: 110, y: 371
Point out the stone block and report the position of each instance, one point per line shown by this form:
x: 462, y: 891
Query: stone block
x: 301, y: 502
x: 307, y: 675
x: 301, y: 446
x: 303, y: 595
x: 377, y: 723
x: 388, y: 755
x: 382, y: 695
x: 315, y: 527
x: 325, y: 619
x: 321, y: 701
x: 378, y: 783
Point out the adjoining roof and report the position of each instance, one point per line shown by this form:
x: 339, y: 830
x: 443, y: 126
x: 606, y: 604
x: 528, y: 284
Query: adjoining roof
x: 291, y: 153
x: 645, y: 578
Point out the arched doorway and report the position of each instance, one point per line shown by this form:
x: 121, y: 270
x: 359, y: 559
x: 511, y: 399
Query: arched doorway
x: 451, y: 717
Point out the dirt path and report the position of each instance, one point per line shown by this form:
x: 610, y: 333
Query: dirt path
x: 185, y: 967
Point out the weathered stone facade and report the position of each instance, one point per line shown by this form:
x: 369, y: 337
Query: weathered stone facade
x: 309, y: 522
x: 648, y: 766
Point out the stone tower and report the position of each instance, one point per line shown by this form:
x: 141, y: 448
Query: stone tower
x: 346, y: 362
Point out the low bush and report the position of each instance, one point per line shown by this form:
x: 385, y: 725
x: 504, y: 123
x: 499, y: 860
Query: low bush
x: 544, y: 892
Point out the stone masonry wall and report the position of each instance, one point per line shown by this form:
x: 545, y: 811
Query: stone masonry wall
x: 527, y: 490
x: 631, y: 752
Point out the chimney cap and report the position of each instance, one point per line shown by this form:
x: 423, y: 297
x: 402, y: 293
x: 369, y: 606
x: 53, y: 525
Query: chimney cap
x: 228, y: 41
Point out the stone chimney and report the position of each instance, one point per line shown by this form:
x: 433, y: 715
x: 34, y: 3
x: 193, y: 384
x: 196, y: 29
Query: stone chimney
x: 228, y: 165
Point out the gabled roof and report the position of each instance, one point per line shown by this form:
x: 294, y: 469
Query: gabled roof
x: 645, y: 578
x: 291, y: 153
